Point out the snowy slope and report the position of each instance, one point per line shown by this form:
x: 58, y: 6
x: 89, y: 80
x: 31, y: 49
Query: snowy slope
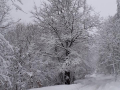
x: 92, y: 83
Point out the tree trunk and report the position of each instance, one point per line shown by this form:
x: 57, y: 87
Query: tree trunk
x: 67, y: 77
x: 16, y: 87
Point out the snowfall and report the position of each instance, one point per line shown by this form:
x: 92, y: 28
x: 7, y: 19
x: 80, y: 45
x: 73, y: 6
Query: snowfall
x: 93, y: 82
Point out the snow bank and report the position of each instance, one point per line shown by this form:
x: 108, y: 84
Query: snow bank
x: 60, y: 87
x: 91, y: 83
x: 107, y: 86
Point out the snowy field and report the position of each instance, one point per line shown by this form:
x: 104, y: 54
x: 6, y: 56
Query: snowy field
x: 98, y: 82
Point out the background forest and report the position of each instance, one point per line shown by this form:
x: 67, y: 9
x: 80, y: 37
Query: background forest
x: 66, y: 36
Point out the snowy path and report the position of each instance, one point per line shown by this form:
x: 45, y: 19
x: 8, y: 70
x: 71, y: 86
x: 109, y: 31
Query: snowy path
x: 106, y: 83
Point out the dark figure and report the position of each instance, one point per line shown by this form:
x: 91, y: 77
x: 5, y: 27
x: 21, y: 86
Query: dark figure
x: 67, y: 77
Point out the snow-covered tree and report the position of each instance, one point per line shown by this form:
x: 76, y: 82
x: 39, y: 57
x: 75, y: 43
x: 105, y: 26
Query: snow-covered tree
x: 69, y: 22
x: 6, y: 56
x: 109, y: 46
x: 4, y: 14
x: 118, y: 8
x: 109, y: 41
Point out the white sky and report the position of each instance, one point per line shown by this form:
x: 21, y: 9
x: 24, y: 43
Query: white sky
x: 104, y: 7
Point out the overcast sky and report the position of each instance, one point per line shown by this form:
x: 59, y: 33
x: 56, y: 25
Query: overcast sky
x: 104, y: 7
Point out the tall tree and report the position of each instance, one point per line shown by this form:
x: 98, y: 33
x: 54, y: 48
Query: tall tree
x: 69, y: 21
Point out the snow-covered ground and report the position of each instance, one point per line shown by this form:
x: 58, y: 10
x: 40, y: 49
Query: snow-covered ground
x: 98, y: 82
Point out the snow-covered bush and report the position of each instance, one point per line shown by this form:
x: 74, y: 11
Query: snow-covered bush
x: 6, y: 56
